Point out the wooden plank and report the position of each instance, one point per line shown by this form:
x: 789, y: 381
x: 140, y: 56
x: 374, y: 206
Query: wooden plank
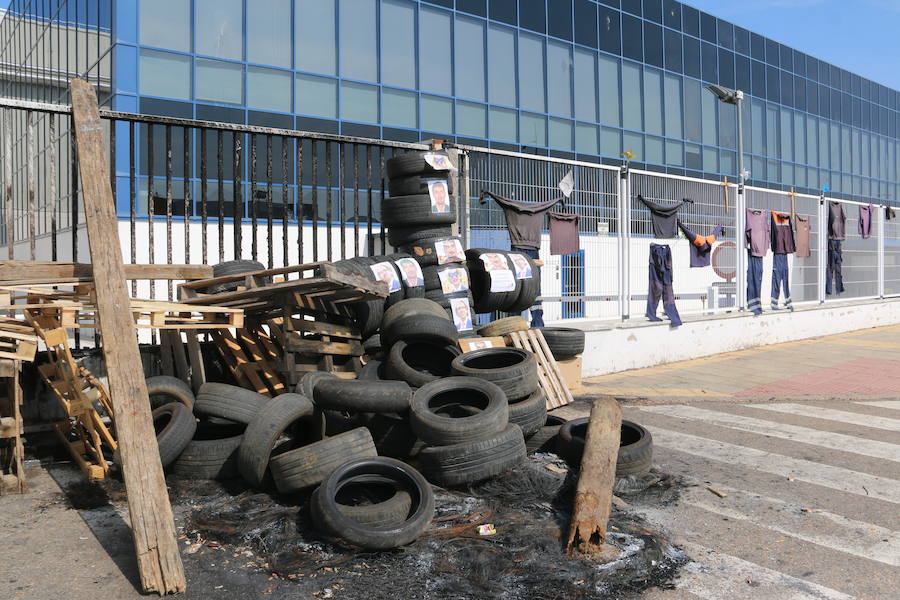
x: 25, y: 270
x: 566, y: 395
x: 342, y: 331
x: 293, y: 343
x: 594, y: 492
x: 198, y: 369
x: 152, y: 522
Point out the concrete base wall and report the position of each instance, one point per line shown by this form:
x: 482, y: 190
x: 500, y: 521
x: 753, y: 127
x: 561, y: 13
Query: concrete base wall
x: 638, y: 345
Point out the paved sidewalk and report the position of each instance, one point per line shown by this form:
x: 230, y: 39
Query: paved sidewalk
x: 862, y: 364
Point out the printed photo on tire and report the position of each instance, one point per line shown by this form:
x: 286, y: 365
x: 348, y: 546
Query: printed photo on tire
x: 449, y: 251
x: 410, y: 271
x: 440, y: 196
x: 454, y: 280
x: 462, y: 314
x: 523, y: 268
x: 384, y: 271
x: 502, y: 278
x: 494, y: 261
x: 438, y: 162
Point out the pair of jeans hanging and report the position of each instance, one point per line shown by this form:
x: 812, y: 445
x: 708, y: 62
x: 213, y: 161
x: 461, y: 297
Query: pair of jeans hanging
x: 780, y: 281
x: 660, y: 284
x: 833, y: 271
x: 754, y: 282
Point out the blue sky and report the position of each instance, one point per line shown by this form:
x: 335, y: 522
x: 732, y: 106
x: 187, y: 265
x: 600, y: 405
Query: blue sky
x: 858, y: 35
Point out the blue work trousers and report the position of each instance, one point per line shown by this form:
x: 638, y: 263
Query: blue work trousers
x: 833, y: 270
x: 754, y: 283
x: 780, y: 281
x: 660, y: 284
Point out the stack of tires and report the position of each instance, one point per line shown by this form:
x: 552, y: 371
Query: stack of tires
x: 502, y: 281
x: 290, y: 443
x: 419, y: 215
x: 419, y: 342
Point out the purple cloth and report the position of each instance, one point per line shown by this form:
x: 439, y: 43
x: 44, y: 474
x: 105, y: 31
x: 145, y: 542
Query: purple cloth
x: 523, y: 219
x: 782, y: 234
x: 865, y: 221
x: 757, y: 232
x: 700, y: 254
x: 837, y: 221
x: 564, y: 236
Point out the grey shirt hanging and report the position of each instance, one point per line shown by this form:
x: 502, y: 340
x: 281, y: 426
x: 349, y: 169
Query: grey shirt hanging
x: 836, y: 221
x: 564, y: 237
x: 663, y: 218
x: 523, y: 219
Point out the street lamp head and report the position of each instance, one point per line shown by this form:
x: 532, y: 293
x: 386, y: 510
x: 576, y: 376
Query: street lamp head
x: 726, y: 95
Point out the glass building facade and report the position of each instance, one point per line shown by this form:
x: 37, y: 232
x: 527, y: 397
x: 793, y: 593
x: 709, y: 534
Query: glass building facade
x: 569, y: 78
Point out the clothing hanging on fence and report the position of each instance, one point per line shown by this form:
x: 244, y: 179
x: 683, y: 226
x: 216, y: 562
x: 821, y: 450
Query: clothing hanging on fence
x: 782, y: 233
x: 802, y: 236
x: 865, y: 221
x: 524, y: 220
x: 889, y: 213
x: 662, y: 217
x: 757, y: 232
x: 564, y: 235
x: 701, y: 245
x: 780, y: 281
x: 536, y: 310
x: 660, y: 284
x: 835, y: 264
x: 837, y: 221
x: 754, y: 282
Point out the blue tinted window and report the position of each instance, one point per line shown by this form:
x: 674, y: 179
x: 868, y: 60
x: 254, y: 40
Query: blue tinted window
x: 359, y: 102
x: 690, y: 20
x: 586, y: 23
x: 559, y: 19
x: 799, y: 63
x: 653, y: 10
x: 632, y: 6
x: 269, y: 33
x: 726, y: 34
x: 503, y: 124
x: 812, y: 96
x: 758, y: 79
x: 532, y: 15
x: 559, y: 78
x: 315, y: 27
x: 610, y: 33
x: 585, y: 85
x: 812, y: 68
x: 709, y: 61
x: 742, y: 40
x: 672, y: 105
x: 726, y: 68
x: 673, y: 50
x: 471, y: 119
x: 653, y: 104
x: 165, y: 23
x: 787, y: 88
x: 470, y: 59
x: 531, y: 72
x: 359, y: 49
x: 631, y: 38
x: 502, y: 65
x: 800, y: 93
x: 436, y: 114
x: 610, y: 90
x: 317, y: 96
x: 742, y: 73
x: 398, y: 108
x: 504, y: 11
x: 758, y: 47
x: 532, y: 129
x: 560, y: 134
x: 786, y: 57
x: 166, y: 74
x: 398, y: 43
x: 773, y: 53
x: 435, y: 74
x: 672, y: 14
x: 476, y: 7
x: 773, y: 84
x: 586, y: 139
x: 222, y: 32
x: 691, y: 56
x: 708, y: 27
x: 653, y: 44
x: 631, y: 95
x: 269, y: 89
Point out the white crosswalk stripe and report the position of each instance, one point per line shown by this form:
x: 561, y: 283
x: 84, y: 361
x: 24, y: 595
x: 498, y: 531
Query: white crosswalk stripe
x: 825, y: 439
x: 726, y: 577
x: 892, y: 404
x: 836, y: 478
x: 830, y: 414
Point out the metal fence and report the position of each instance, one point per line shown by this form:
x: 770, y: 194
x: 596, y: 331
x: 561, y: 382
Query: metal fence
x: 193, y: 191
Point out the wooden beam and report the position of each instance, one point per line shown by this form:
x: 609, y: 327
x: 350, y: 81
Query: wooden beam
x: 152, y: 522
x: 24, y: 270
x: 593, y: 495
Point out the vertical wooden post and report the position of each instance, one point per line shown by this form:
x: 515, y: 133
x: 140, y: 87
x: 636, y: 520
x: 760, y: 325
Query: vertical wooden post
x: 593, y: 496
x: 152, y: 523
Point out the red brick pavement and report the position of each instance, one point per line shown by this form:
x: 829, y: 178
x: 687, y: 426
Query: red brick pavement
x: 864, y: 376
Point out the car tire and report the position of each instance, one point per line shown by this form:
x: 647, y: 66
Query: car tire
x: 563, y: 342
x: 359, y: 395
x: 234, y: 267
x: 635, y: 455
x: 503, y: 326
x: 212, y: 454
x: 175, y: 426
x: 400, y: 237
x: 475, y: 461
x: 305, y: 467
x: 456, y: 410
x: 416, y: 184
x: 529, y: 288
x: 544, y: 439
x: 413, y: 163
x: 418, y: 362
x: 415, y: 211
x: 424, y: 327
x: 529, y: 413
x: 487, y: 301
x: 229, y: 402
x: 512, y: 369
x: 425, y: 251
x: 164, y: 389
x: 387, y: 507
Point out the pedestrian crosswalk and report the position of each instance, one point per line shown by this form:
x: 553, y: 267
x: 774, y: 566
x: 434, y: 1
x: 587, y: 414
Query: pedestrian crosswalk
x: 812, y: 497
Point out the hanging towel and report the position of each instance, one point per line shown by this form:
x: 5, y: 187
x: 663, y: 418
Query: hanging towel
x: 523, y: 219
x: 757, y: 232
x: 782, y: 233
x: 663, y: 218
x: 865, y: 221
x: 837, y: 221
x: 564, y: 237
x: 701, y: 245
x: 802, y: 237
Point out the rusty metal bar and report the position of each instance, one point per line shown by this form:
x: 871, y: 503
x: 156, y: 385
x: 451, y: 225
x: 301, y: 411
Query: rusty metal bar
x: 269, y: 231
x: 54, y: 189
x: 186, y: 180
x: 253, y: 237
x: 204, y: 196
x: 220, y: 175
x: 370, y: 241
x: 329, y: 217
x: 284, y: 201
x: 29, y: 174
x: 342, y: 213
x: 132, y: 199
x: 8, y: 185
x: 238, y: 195
x: 151, y: 160
x: 355, y: 199
x: 315, y: 200
x: 299, y: 210
x: 169, y: 204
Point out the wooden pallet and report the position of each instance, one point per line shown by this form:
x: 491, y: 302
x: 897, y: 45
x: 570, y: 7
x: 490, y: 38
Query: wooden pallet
x: 555, y: 389
x: 12, y: 452
x: 249, y: 354
x: 18, y: 340
x: 317, y: 340
x: 260, y: 291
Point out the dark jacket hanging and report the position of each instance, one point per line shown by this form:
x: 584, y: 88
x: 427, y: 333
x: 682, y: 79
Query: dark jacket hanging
x: 523, y: 219
x: 663, y: 218
x: 837, y: 221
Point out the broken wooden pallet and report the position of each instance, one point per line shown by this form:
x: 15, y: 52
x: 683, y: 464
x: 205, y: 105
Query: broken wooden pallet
x: 247, y: 354
x: 12, y: 452
x: 258, y: 292
x: 316, y: 340
x: 555, y: 389
x: 18, y: 340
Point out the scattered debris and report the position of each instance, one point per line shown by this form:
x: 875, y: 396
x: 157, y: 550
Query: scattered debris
x: 718, y: 493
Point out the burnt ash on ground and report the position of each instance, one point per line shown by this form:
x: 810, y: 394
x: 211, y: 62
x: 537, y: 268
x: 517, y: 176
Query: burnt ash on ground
x: 262, y: 543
